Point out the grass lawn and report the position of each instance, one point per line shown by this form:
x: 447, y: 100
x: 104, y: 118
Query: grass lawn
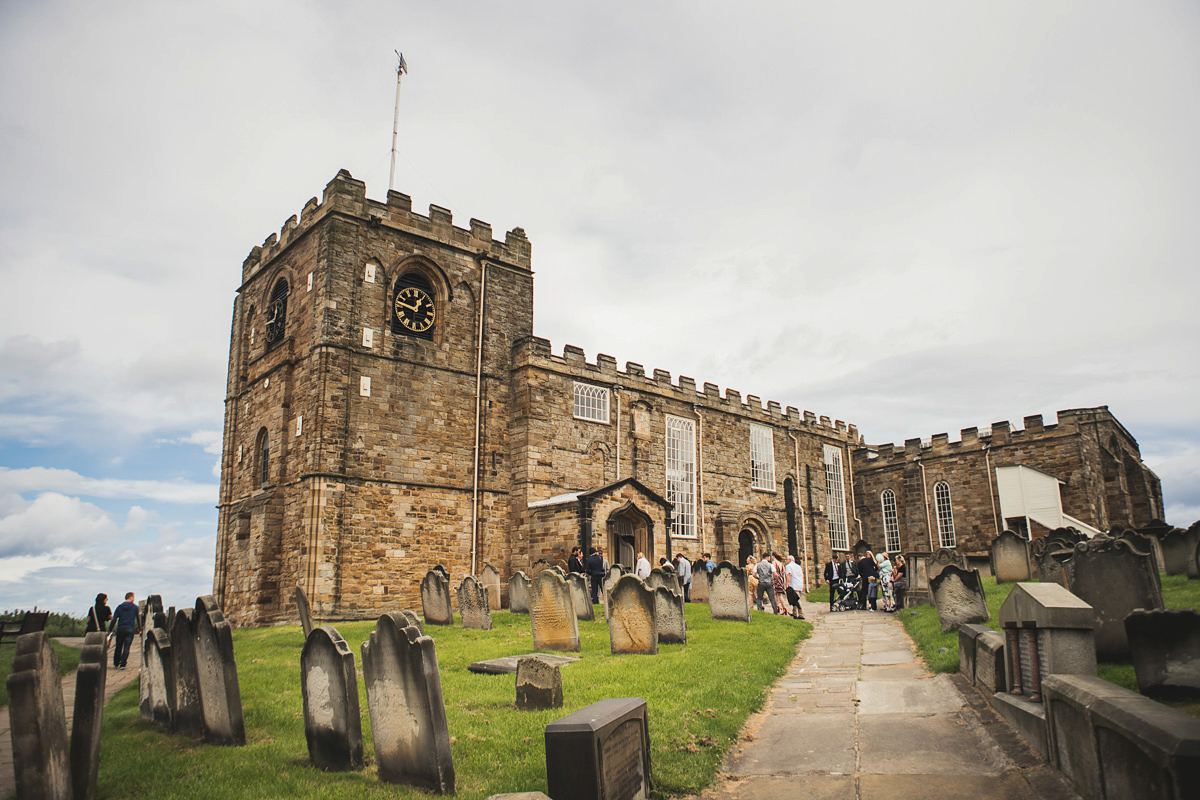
x: 698, y: 695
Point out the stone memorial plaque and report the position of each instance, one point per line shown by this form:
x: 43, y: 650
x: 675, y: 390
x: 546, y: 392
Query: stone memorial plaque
x: 601, y: 751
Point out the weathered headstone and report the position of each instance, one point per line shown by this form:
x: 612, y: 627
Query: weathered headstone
x: 435, y: 598
x: 157, y: 678
x: 1166, y: 652
x: 150, y: 615
x: 329, y: 683
x: 490, y: 578
x: 669, y: 616
x: 1179, y: 550
x: 580, y: 596
x: 631, y: 626
x: 700, y: 580
x: 518, y: 593
x: 88, y: 716
x: 958, y: 597
x: 539, y: 684
x: 306, y: 620
x: 1010, y: 558
x: 942, y: 558
x: 187, y: 707
x: 38, y: 720
x: 552, y: 613
x: 217, y: 668
x: 1115, y: 579
x: 473, y: 605
x: 408, y: 715
x: 1049, y: 558
x: 1142, y: 542
x: 609, y: 580
x: 669, y: 580
x: 601, y: 752
x: 411, y: 618
x: 728, y: 595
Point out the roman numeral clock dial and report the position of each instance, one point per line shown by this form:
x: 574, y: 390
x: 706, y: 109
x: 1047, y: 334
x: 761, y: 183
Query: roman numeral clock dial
x: 414, y: 309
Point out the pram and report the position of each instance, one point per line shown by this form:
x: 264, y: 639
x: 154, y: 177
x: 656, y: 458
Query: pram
x: 847, y: 597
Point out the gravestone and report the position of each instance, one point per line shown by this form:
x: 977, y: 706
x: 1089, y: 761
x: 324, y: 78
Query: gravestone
x: 728, y: 595
x: 157, y: 678
x: 552, y: 613
x: 1140, y: 541
x: 507, y: 665
x: 700, y: 581
x: 215, y: 663
x: 609, y: 580
x: 669, y: 616
x: 408, y: 715
x: 435, y: 598
x: 580, y: 596
x: 1049, y: 559
x: 942, y: 558
x: 1048, y: 631
x: 1114, y: 578
x: 958, y: 597
x: 1166, y: 652
x: 631, y: 624
x: 490, y: 578
x: 306, y: 620
x: 473, y: 605
x: 187, y: 707
x: 329, y: 684
x: 661, y: 577
x: 518, y: 593
x: 411, y: 618
x: 539, y: 684
x: 1010, y: 558
x: 917, y: 591
x: 601, y: 752
x: 1179, y: 550
x: 88, y: 716
x: 150, y: 615
x: 38, y: 720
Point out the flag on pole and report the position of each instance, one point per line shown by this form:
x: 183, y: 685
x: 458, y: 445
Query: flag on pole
x: 402, y: 68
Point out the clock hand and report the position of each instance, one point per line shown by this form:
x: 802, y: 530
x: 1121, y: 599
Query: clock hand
x: 416, y: 307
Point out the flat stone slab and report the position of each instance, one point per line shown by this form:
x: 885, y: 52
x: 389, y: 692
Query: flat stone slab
x: 935, y: 695
x: 1009, y: 786
x: 887, y: 657
x: 940, y: 744
x: 779, y: 748
x: 894, y: 672
x: 508, y: 664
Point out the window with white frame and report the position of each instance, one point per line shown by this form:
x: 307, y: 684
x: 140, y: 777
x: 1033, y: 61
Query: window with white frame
x: 591, y: 402
x: 835, y: 499
x: 945, y: 514
x: 891, y: 522
x: 762, y: 458
x: 681, y: 474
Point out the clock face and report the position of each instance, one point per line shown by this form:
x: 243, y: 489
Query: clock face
x: 414, y: 309
x: 275, y: 317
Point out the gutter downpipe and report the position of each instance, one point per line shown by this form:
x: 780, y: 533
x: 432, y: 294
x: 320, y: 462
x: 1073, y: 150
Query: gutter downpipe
x: 853, y: 499
x: 987, y: 460
x: 925, y: 502
x: 616, y: 390
x: 478, y: 414
x: 803, y: 523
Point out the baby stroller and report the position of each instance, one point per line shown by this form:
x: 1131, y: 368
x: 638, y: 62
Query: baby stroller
x: 847, y: 595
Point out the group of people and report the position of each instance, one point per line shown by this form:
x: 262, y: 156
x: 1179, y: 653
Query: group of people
x: 595, y: 567
x: 780, y: 580
x: 866, y: 580
x: 121, y: 625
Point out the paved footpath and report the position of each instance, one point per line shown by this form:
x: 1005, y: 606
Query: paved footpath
x: 858, y: 717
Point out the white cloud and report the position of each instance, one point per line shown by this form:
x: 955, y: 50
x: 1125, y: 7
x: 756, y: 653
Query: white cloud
x: 51, y: 522
x: 35, y: 479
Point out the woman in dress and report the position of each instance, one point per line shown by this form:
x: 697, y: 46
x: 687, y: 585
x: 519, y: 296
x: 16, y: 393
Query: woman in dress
x: 885, y: 581
x: 779, y: 580
x: 899, y: 581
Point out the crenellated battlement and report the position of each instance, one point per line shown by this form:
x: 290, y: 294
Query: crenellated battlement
x: 536, y: 352
x: 346, y: 195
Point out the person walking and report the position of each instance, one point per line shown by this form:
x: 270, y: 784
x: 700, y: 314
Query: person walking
x: 834, y: 574
x: 595, y: 571
x: 795, y: 586
x: 765, y: 572
x: 642, y: 567
x: 99, y: 614
x: 125, y: 623
x: 684, y: 568
x: 779, y: 582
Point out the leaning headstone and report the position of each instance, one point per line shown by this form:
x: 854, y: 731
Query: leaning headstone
x: 188, y: 709
x: 600, y: 752
x: 700, y: 580
x: 408, y: 715
x: 518, y: 593
x: 958, y: 597
x: 1166, y: 652
x: 942, y: 558
x: 669, y: 616
x: 728, y: 596
x: 150, y: 615
x: 217, y: 667
x: 1115, y: 579
x: 580, y: 596
x: 490, y: 578
x: 435, y: 598
x: 1179, y: 549
x: 631, y: 626
x: 157, y: 678
x: 329, y: 684
x: 539, y: 684
x: 88, y: 716
x: 1010, y: 558
x: 38, y: 720
x: 552, y: 613
x: 473, y: 605
x: 306, y: 620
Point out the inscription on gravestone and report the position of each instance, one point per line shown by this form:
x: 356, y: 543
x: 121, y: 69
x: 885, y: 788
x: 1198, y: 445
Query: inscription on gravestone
x: 552, y: 613
x: 728, y: 595
x: 958, y: 597
x: 329, y: 684
x: 631, y: 626
x: 473, y: 605
x: 669, y: 616
x: 601, y: 751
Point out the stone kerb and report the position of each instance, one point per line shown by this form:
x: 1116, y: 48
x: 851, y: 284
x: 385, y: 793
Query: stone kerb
x: 958, y: 597
x: 435, y: 598
x: 186, y: 704
x: 408, y: 714
x: 217, y: 667
x: 1115, y: 579
x: 1166, y: 652
x: 539, y: 684
x: 1010, y: 558
x: 156, y: 694
x: 729, y: 597
x: 88, y: 716
x: 490, y: 578
x: 473, y: 605
x: 631, y: 626
x: 37, y: 719
x: 580, y: 596
x: 329, y: 685
x: 552, y: 613
x: 306, y: 620
x: 518, y: 593
x: 669, y: 616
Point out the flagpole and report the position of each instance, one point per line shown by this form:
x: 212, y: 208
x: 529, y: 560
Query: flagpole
x: 401, y: 69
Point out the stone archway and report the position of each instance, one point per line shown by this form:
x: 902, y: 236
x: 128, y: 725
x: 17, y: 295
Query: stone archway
x: 629, y: 534
x: 746, y: 546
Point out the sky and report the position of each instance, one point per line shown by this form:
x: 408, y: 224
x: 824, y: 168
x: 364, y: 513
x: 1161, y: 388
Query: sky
x: 913, y: 216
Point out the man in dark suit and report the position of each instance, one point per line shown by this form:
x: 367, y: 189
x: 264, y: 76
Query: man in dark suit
x: 595, y: 571
x: 834, y: 572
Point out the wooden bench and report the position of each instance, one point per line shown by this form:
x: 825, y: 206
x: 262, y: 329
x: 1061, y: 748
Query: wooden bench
x: 32, y: 622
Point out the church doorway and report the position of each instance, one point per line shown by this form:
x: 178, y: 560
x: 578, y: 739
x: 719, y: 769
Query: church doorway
x: 628, y: 535
x: 745, y: 546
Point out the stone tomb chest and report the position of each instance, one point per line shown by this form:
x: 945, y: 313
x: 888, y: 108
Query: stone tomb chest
x: 1047, y: 631
x: 601, y: 751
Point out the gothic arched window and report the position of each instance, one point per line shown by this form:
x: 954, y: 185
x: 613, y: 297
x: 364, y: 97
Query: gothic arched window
x: 262, y: 451
x: 891, y: 522
x: 945, y: 515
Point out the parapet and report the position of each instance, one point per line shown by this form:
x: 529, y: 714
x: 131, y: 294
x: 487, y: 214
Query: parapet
x: 346, y: 195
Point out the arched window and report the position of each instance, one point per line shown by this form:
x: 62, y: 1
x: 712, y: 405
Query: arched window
x: 277, y: 313
x: 891, y: 522
x: 945, y: 515
x: 414, y: 306
x: 263, y: 450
